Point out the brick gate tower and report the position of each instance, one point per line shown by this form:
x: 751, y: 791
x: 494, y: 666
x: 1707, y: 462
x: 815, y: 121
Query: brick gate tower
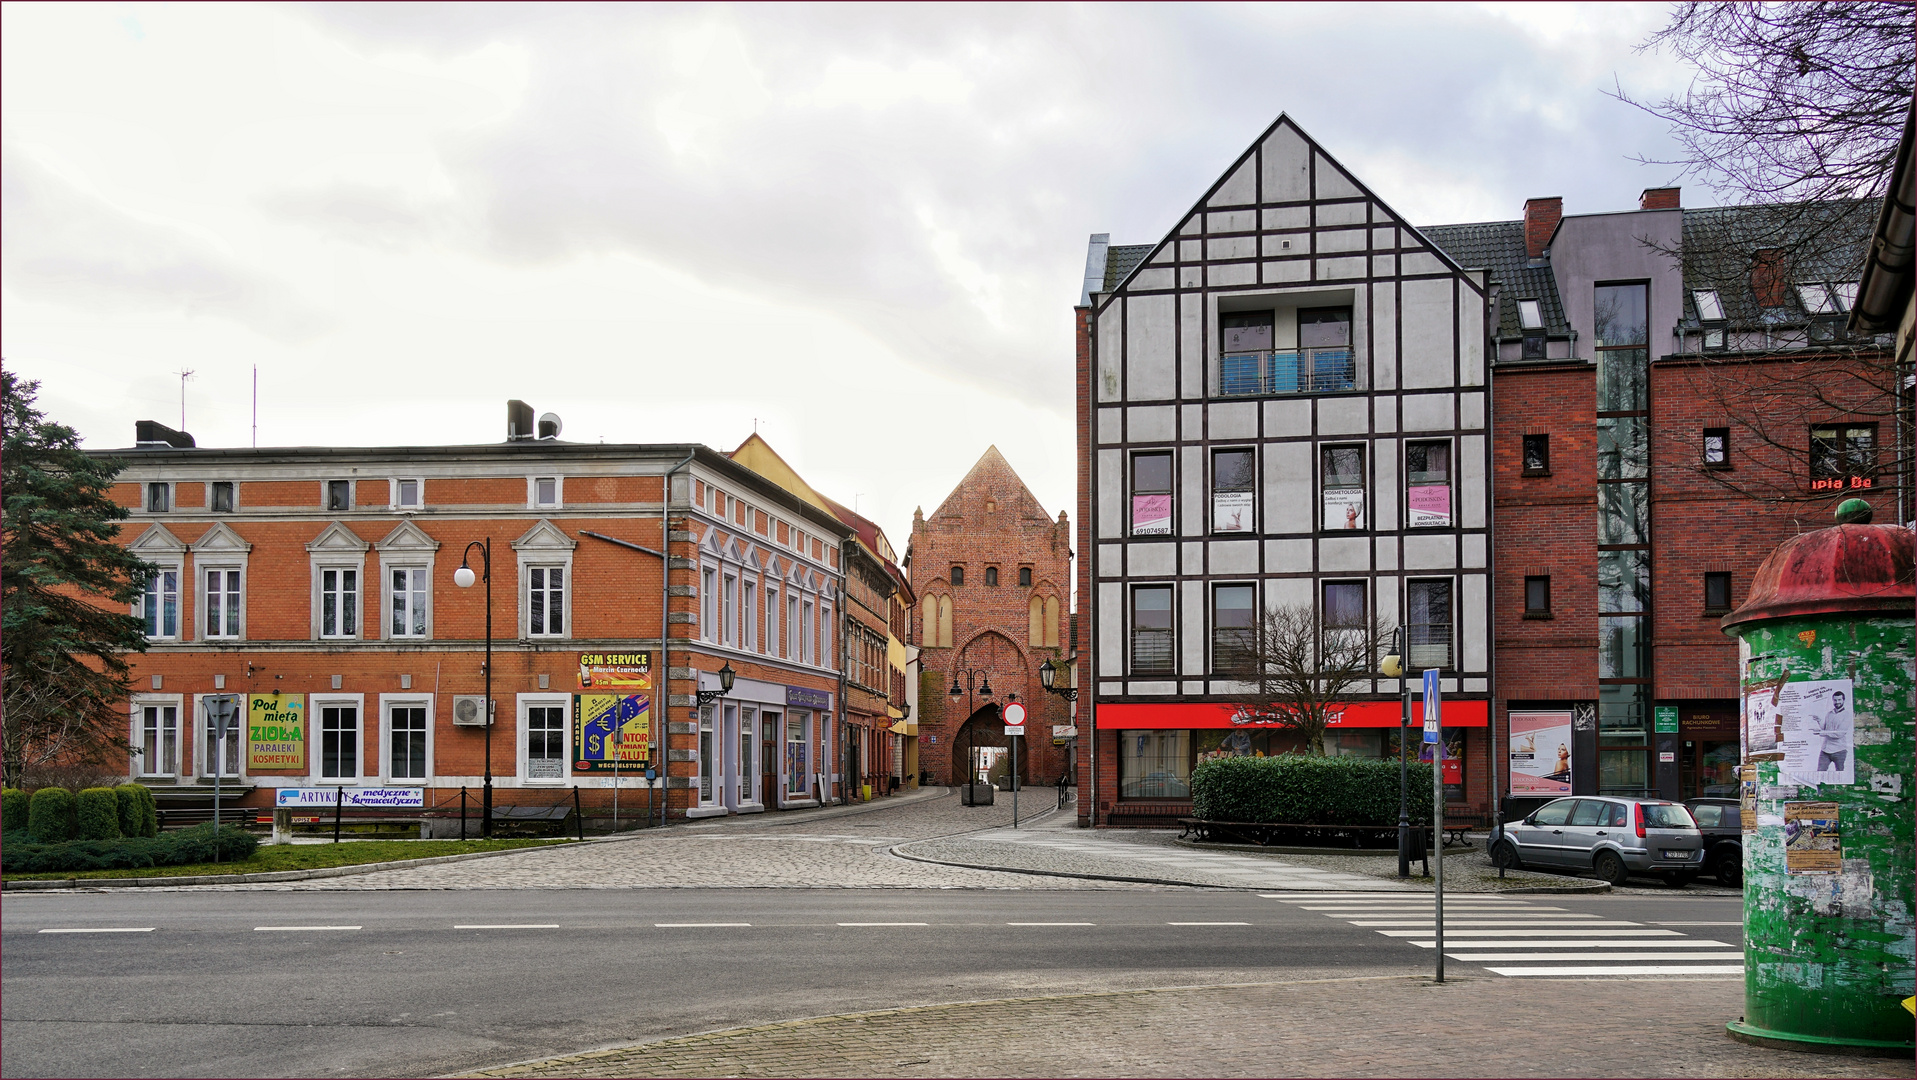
x: 993, y: 575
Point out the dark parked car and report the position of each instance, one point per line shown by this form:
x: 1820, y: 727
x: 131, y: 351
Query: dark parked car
x: 1721, y: 822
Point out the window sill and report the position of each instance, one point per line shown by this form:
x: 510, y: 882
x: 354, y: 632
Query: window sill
x: 1712, y: 613
x: 1535, y: 472
x: 1716, y: 466
x: 1540, y: 615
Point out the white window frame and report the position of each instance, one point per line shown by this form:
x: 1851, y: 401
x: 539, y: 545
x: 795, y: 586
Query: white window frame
x: 320, y: 570
x: 233, y: 509
x: 1451, y: 483
x: 316, y: 706
x: 1710, y: 306
x: 1530, y: 314
x: 748, y: 615
x: 791, y: 620
x: 709, y: 603
x: 1817, y: 298
x: 828, y: 657
x: 708, y: 783
x: 525, y: 703
x: 558, y: 492
x: 546, y: 568
x: 139, y: 703
x: 808, y: 639
x: 729, y: 609
x: 419, y: 493
x: 772, y: 612
x: 387, y: 703
x: 200, y: 737
x: 390, y: 607
x: 162, y: 567
x: 237, y: 605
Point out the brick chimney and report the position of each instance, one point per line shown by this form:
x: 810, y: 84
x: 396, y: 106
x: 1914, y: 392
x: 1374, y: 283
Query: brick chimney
x: 1540, y: 221
x: 1770, y: 277
x: 1658, y: 198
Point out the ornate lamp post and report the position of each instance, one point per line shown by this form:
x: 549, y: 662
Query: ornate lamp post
x: 707, y: 697
x: 1048, y: 674
x: 464, y: 578
x: 979, y: 681
x: 1393, y: 668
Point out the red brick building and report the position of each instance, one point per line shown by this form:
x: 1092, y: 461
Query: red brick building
x: 315, y: 588
x: 992, y: 573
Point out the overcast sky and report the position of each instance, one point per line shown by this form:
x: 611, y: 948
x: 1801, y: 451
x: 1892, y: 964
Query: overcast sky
x: 862, y: 228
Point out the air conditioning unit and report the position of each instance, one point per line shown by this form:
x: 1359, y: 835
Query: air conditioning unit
x: 467, y: 709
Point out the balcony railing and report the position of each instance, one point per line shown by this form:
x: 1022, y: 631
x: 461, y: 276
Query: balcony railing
x: 1232, y: 652
x: 1288, y: 371
x: 1151, y: 652
x: 1429, y: 646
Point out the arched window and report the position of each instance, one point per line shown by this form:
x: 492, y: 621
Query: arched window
x: 945, y: 622
x: 991, y: 575
x: 958, y: 576
x: 1051, y: 622
x: 929, y: 631
x: 1035, y: 621
x: 1024, y: 577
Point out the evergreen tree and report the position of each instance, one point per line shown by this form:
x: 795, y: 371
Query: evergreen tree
x: 65, y: 588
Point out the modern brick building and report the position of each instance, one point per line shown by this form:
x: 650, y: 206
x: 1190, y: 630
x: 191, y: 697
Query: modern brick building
x: 992, y: 573
x: 316, y: 587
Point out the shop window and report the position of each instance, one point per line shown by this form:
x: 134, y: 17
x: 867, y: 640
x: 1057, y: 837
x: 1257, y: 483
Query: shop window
x: 1717, y: 592
x: 219, y: 496
x: 1024, y: 577
x: 1537, y: 596
x: 1537, y: 455
x: 1843, y: 456
x: 1233, y: 502
x: 797, y: 748
x: 1154, y: 764
x: 1717, y: 448
x: 1427, y: 485
x: 1341, y: 482
x: 1152, y: 630
x: 1152, y: 494
x: 546, y: 742
x: 1234, y: 614
x: 708, y: 756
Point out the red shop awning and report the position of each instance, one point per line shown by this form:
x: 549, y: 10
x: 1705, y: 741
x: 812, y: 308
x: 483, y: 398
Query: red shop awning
x: 1216, y: 714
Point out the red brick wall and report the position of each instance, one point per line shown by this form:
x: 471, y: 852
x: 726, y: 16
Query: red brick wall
x: 1093, y: 792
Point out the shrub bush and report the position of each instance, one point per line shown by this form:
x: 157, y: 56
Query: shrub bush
x: 139, y: 816
x: 1295, y: 790
x: 50, y: 816
x: 195, y: 845
x: 97, y: 814
x: 13, y: 810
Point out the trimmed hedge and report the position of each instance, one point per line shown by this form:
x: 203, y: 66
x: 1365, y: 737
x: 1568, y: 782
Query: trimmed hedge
x: 139, y: 815
x: 97, y: 814
x: 13, y: 809
x: 50, y: 815
x: 1295, y: 790
x: 195, y: 845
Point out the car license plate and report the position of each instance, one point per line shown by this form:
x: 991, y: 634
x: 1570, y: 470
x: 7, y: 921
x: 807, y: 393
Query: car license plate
x: 1669, y: 854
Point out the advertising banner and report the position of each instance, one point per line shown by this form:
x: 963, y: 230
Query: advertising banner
x: 1818, y: 731
x: 1813, y: 843
x: 1427, y: 505
x: 351, y: 798
x: 615, y: 671
x: 1151, y: 515
x: 1344, y: 508
x: 611, y: 732
x: 1231, y: 511
x: 276, y: 731
x: 810, y: 699
x: 1540, y: 753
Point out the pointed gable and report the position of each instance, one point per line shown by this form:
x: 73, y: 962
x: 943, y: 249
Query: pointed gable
x: 337, y: 539
x: 409, y: 538
x: 157, y: 540
x: 544, y: 536
x: 221, y: 540
x: 991, y: 479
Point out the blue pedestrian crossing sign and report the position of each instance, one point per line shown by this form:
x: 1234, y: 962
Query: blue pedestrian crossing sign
x: 1433, y: 706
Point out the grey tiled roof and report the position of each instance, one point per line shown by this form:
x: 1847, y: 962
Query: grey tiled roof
x: 1498, y: 246
x: 1823, y: 242
x: 1120, y: 259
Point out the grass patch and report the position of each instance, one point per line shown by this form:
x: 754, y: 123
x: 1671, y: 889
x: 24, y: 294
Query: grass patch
x: 280, y: 857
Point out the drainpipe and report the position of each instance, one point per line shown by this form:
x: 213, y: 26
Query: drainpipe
x: 665, y: 630
x: 847, y: 549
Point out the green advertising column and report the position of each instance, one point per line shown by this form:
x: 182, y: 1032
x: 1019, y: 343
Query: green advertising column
x: 1825, y: 648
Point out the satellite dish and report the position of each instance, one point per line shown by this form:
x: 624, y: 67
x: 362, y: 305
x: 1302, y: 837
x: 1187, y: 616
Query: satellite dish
x: 550, y: 426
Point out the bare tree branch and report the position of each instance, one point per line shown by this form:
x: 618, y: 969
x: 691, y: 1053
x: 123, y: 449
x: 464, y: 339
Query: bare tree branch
x: 1300, y: 674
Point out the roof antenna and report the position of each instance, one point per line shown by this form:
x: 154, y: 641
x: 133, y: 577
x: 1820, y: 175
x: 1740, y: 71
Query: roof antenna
x: 184, y: 374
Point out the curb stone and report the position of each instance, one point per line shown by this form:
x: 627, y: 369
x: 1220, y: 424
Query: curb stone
x: 268, y: 876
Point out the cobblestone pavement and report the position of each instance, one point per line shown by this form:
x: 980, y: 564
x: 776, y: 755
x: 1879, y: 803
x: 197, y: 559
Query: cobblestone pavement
x: 1384, y: 1027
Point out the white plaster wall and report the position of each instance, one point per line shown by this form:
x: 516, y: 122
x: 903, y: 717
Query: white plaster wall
x: 1286, y: 217
x: 1423, y: 262
x: 1471, y: 488
x: 1234, y: 556
x: 1343, y: 415
x: 1387, y: 498
x: 1191, y: 635
x: 1341, y: 213
x: 1192, y: 556
x: 1384, y: 266
x: 1428, y: 326
x: 1111, y: 560
x: 1153, y: 423
x: 1332, y: 182
x: 1151, y: 560
x: 1111, y: 425
x: 1284, y: 245
x: 1192, y: 420
x: 1111, y: 346
x: 1425, y: 412
x: 1111, y: 493
x: 1234, y: 420
x: 1191, y: 467
x: 1290, y: 270
x: 1384, y: 338
x: 1342, y: 240
x: 1189, y: 250
x: 1289, y: 592
x: 1151, y: 329
x: 1387, y: 552
x: 1471, y: 411
x: 1385, y: 238
x: 1288, y: 556
x: 1232, y: 221
x: 1232, y: 247
x: 1232, y: 274
x: 1239, y: 188
x: 1385, y: 602
x: 1150, y: 278
x: 1385, y: 414
x: 1340, y: 269
x: 1434, y: 552
x: 1477, y: 621
x: 1111, y: 628
x: 1191, y: 345
x: 1287, y: 168
x: 1344, y: 554
x: 1286, y: 418
x: 1288, y: 488
x: 1193, y: 226
x: 1470, y: 339
x: 1474, y: 550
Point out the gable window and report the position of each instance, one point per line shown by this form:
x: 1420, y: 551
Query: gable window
x: 1717, y: 592
x: 1843, y: 456
x: 1152, y: 630
x: 1234, y: 610
x: 546, y: 601
x: 958, y: 576
x: 159, y: 740
x: 339, y: 494
x: 1341, y: 478
x: 1428, y: 624
x: 1233, y: 503
x: 1717, y: 447
x: 219, y: 496
x: 406, y: 742
x: 1537, y: 596
x: 1152, y: 494
x: 407, y: 494
x: 1537, y: 455
x: 339, y: 602
x: 1427, y: 484
x: 160, y: 604
x: 222, y: 602
x: 991, y: 575
x: 1024, y: 577
x: 159, y: 498
x: 409, y: 584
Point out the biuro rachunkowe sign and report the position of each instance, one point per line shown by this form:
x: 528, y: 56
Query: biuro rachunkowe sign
x: 276, y: 731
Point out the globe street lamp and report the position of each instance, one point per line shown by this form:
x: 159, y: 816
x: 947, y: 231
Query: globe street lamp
x: 975, y: 679
x: 464, y: 578
x: 1393, y: 668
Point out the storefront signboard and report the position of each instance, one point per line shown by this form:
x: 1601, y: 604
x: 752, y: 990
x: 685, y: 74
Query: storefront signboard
x: 611, y: 732
x: 615, y: 671
x: 352, y: 797
x: 1666, y: 719
x: 276, y: 731
x: 1540, y: 753
x: 1198, y: 715
x: 807, y: 698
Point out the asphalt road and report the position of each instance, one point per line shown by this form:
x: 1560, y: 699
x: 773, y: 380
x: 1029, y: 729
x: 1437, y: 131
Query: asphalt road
x: 435, y: 982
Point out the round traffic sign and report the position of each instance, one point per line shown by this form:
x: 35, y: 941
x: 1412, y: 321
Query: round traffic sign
x: 1014, y: 715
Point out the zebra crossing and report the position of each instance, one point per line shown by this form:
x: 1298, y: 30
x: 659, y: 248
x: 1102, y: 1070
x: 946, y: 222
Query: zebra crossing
x: 1520, y: 938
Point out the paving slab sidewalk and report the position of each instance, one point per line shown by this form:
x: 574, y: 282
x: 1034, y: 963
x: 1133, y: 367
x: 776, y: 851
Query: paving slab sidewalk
x: 1379, y: 1026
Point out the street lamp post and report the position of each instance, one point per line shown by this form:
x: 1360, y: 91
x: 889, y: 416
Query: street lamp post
x: 981, y: 681
x: 463, y: 577
x: 1047, y: 675
x: 1393, y: 668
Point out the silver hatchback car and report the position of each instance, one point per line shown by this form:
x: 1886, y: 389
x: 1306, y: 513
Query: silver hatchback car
x: 1612, y: 836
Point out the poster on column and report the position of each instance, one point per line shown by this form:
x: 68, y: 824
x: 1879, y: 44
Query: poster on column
x: 1813, y: 843
x: 1759, y: 726
x: 1818, y: 730
x: 1540, y: 753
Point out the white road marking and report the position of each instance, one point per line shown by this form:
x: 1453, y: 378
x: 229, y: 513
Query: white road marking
x: 1686, y: 943
x: 1050, y: 924
x: 690, y: 924
x: 100, y: 930
x: 882, y: 924
x: 1490, y: 922
x: 507, y: 926
x: 1655, y: 922
x: 1596, y: 956
x: 304, y: 928
x: 1207, y: 924
x: 1708, y: 969
x: 1536, y: 933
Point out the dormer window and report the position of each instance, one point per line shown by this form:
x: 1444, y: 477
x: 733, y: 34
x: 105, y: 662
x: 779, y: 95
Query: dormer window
x: 1530, y: 315
x: 1709, y: 307
x: 1816, y: 298
x: 1846, y: 293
